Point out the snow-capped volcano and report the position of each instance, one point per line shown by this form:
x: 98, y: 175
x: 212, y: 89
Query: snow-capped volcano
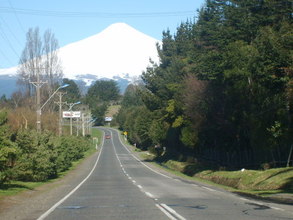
x: 117, y: 50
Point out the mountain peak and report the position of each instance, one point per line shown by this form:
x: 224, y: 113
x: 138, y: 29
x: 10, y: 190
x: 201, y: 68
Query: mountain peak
x: 122, y: 28
x: 118, y: 26
x: 117, y: 50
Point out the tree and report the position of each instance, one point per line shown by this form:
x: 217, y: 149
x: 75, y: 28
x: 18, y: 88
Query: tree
x: 8, y: 152
x: 99, y: 113
x: 102, y: 91
x: 223, y: 88
x: 39, y: 57
x: 131, y: 96
x: 72, y: 91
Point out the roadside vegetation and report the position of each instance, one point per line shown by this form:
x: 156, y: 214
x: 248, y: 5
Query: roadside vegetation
x: 31, y: 155
x: 222, y: 92
x: 33, y: 159
x: 221, y: 99
x: 255, y: 183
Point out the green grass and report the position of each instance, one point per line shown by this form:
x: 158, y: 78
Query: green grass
x: 15, y: 187
x: 98, y: 135
x: 255, y: 181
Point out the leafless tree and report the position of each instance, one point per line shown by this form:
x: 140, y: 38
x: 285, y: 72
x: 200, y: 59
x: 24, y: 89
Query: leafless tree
x: 40, y: 56
x: 16, y: 98
x: 52, y: 64
x: 30, y: 61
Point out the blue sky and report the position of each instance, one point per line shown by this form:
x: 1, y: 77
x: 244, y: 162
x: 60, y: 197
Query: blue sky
x: 73, y: 20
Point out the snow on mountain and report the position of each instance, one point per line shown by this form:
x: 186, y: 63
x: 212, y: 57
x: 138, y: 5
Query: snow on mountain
x: 119, y: 50
x: 8, y: 71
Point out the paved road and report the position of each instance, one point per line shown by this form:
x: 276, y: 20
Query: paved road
x: 122, y: 187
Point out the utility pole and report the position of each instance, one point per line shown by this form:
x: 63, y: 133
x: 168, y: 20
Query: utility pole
x: 70, y: 109
x: 38, y: 84
x: 77, y: 126
x: 60, y: 103
x: 82, y: 124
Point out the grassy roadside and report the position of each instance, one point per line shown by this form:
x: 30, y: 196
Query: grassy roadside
x: 260, y: 183
x: 15, y: 187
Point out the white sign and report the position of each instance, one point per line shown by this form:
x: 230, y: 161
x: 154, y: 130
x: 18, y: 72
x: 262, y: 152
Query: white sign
x: 72, y: 114
x: 108, y: 118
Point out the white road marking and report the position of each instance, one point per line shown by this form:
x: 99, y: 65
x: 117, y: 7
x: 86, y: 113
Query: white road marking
x: 165, y: 212
x: 139, y: 186
x: 276, y: 208
x: 43, y: 216
x: 133, y: 181
x: 212, y: 190
x: 172, y: 211
x: 150, y: 195
x: 258, y: 203
x: 141, y: 161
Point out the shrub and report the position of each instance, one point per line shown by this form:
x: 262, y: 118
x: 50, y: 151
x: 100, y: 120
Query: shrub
x: 37, y: 158
x: 8, y: 151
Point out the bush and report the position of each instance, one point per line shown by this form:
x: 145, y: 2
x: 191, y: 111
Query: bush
x: 69, y: 149
x: 8, y: 150
x: 37, y: 158
x: 43, y: 156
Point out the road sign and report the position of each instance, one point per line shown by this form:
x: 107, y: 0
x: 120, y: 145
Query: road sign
x: 71, y: 114
x: 108, y: 119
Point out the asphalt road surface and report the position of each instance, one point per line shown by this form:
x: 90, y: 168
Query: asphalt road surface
x: 122, y: 187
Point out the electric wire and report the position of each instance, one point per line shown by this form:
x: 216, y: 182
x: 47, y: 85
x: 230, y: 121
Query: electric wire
x: 16, y: 16
x: 92, y: 14
x: 11, y: 32
x: 7, y: 59
x: 2, y: 33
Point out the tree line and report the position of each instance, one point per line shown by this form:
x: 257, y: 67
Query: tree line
x: 223, y: 90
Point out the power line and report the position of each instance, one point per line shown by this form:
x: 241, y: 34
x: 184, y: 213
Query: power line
x: 9, y: 29
x: 93, y: 14
x: 7, y: 59
x: 8, y: 41
x: 17, y: 18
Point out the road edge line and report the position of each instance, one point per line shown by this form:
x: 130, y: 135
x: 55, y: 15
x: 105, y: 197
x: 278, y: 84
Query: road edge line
x: 139, y: 159
x: 49, y: 211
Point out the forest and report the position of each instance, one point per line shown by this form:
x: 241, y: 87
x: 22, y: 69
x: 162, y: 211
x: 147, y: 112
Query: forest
x: 223, y: 90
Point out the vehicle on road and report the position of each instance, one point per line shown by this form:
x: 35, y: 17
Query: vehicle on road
x: 107, y: 136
